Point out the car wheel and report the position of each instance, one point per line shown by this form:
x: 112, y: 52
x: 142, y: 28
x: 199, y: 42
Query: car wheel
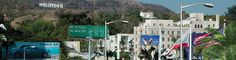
x: 44, y: 54
x: 18, y: 54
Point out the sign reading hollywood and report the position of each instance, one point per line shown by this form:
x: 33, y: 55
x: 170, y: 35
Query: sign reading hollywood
x: 51, y: 5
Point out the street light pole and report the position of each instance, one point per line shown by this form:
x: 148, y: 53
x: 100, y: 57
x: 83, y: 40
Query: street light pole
x: 160, y: 42
x: 209, y: 5
x: 105, y: 38
x: 190, y: 40
x: 24, y: 53
x: 181, y: 28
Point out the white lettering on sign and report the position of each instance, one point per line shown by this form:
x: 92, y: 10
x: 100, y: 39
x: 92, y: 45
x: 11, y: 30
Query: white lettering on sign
x: 51, y: 5
x: 78, y: 31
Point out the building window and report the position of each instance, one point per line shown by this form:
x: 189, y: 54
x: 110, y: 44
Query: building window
x: 168, y: 32
x: 201, y: 26
x: 152, y: 32
x: 213, y: 25
x: 195, y: 26
x: 163, y: 39
x: 141, y: 32
x: 173, y: 32
x: 178, y: 32
x: 162, y: 32
x: 198, y: 26
x: 168, y: 45
x: 168, y: 24
x: 163, y: 46
x: 168, y: 39
x: 209, y: 26
x: 154, y: 24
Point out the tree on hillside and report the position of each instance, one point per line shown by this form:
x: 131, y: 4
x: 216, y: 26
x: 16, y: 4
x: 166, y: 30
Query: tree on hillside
x: 231, y: 14
x: 230, y: 42
x: 97, y: 17
x: 176, y: 17
x: 41, y: 30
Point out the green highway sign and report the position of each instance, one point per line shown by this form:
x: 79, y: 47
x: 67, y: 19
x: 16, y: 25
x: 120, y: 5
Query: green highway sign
x: 83, y: 31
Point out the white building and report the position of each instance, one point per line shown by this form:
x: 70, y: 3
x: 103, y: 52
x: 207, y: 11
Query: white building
x: 73, y: 48
x: 147, y: 15
x: 115, y: 43
x: 170, y: 28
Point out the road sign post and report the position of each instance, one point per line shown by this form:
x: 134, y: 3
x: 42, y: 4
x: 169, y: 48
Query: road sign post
x: 87, y: 31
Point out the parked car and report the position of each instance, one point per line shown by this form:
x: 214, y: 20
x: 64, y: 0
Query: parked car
x: 31, y: 51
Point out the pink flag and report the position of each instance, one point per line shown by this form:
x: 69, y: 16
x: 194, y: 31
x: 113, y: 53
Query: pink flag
x: 199, y: 38
x: 210, y: 43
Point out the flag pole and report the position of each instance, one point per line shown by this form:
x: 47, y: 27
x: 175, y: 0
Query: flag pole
x: 160, y: 43
x: 181, y: 28
x: 190, y: 41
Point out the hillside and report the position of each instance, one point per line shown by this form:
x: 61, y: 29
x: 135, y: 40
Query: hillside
x: 22, y: 7
x: 84, y: 12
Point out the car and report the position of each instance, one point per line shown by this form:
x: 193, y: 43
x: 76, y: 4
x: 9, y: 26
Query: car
x: 31, y: 51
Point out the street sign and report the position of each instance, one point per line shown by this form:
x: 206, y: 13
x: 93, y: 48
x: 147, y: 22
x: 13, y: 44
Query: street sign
x: 149, y: 39
x: 83, y: 31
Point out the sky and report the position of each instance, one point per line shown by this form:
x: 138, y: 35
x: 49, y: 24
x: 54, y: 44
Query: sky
x: 220, y: 6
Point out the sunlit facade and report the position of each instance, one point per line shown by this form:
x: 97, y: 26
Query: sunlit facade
x: 171, y: 29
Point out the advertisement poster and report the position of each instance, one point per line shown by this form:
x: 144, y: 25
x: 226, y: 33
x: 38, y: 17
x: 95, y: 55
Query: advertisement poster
x: 34, y: 51
x: 73, y: 48
x: 149, y: 39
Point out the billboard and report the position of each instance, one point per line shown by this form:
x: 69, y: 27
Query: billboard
x: 149, y: 39
x: 35, y: 51
x: 81, y: 31
x: 73, y: 48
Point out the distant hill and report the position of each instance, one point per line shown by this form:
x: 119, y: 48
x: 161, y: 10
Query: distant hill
x: 83, y: 12
x: 22, y: 7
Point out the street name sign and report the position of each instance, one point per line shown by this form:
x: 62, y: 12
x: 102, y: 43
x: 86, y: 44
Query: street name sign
x: 83, y: 31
